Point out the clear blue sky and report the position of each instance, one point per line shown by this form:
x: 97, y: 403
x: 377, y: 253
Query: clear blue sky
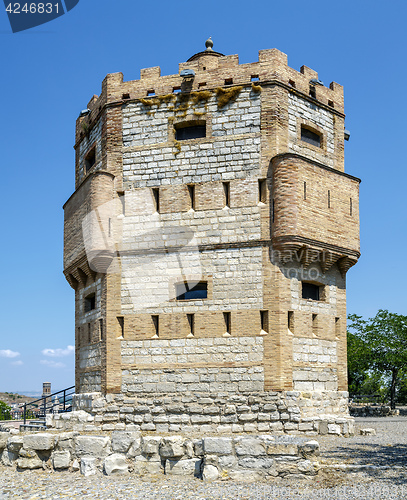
x: 49, y: 73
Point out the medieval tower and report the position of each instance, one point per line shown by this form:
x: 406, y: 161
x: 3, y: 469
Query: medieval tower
x: 208, y: 241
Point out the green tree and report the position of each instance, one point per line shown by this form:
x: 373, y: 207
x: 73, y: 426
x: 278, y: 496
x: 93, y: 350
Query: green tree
x: 4, y: 411
x: 384, y: 341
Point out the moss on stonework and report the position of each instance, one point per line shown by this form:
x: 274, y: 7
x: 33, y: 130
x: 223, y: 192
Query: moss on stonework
x: 226, y: 95
x: 85, y: 128
x: 177, y: 145
x: 148, y: 102
x: 198, y: 97
x: 256, y: 88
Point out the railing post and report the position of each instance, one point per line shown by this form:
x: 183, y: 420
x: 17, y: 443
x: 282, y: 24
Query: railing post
x: 25, y: 412
x: 45, y: 406
x: 64, y: 398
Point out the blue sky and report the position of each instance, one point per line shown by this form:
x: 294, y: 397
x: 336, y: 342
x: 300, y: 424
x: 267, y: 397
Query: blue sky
x: 49, y: 73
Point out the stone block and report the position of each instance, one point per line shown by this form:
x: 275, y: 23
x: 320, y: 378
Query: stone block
x: 210, y: 473
x: 217, y: 446
x: 96, y: 446
x: 61, y: 459
x: 122, y: 441
x: 150, y: 445
x: 249, y: 446
x: 88, y: 466
x: 188, y: 467
x: 3, y: 440
x: 172, y: 447
x: 14, y: 443
x: 115, y: 464
x: 29, y: 460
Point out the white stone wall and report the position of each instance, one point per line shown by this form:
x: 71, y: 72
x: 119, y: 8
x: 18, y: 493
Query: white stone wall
x: 208, y: 352
x: 91, y: 381
x: 90, y: 316
x: 148, y: 284
x: 231, y: 149
x: 320, y: 356
x: 95, y: 137
x: 89, y: 356
x: 314, y: 351
x: 331, y: 280
x: 301, y: 111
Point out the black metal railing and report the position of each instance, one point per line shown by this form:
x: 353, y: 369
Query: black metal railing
x: 58, y: 402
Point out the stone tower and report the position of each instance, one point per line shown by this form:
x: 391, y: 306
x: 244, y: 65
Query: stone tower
x: 208, y: 241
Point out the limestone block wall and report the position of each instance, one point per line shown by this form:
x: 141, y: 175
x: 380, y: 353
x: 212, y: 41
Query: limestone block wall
x: 124, y: 452
x: 304, y: 112
x: 286, y: 412
x: 91, y: 140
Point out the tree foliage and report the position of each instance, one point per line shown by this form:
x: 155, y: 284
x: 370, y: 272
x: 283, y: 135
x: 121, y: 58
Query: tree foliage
x: 5, y: 411
x: 377, y: 348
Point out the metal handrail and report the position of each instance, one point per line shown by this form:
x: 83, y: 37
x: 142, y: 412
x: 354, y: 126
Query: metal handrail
x: 67, y: 398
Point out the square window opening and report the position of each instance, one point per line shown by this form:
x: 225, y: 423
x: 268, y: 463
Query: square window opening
x: 310, y: 137
x: 291, y: 83
x: 202, y: 84
x: 229, y: 81
x: 313, y: 92
x: 310, y: 291
x: 176, y: 90
x: 90, y: 302
x: 90, y: 159
x: 190, y: 131
x: 254, y: 78
x: 150, y: 93
x: 126, y: 96
x: 191, y: 291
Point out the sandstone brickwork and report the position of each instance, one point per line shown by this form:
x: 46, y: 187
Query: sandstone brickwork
x: 252, y: 204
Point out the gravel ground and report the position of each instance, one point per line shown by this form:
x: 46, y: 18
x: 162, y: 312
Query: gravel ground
x: 384, y: 476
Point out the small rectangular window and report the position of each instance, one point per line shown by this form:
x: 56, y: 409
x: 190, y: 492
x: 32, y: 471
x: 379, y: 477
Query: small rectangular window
x: 226, y: 194
x: 329, y: 198
x: 337, y: 327
x: 350, y: 206
x: 156, y: 197
x: 156, y: 325
x: 191, y: 193
x: 310, y: 137
x: 150, y: 93
x: 202, y: 84
x: 291, y: 83
x: 254, y: 78
x: 331, y: 103
x: 191, y: 324
x: 90, y: 159
x: 89, y: 334
x: 101, y: 328
x: 273, y: 212
x: 315, y: 324
x: 313, y: 92
x: 310, y: 291
x: 176, y: 90
x: 90, y: 302
x: 192, y: 291
x: 120, y: 320
x: 190, y: 132
x: 305, y: 190
x: 290, y: 320
x: 229, y: 81
x: 126, y: 96
x: 226, y: 319
x: 264, y: 321
x: 262, y: 191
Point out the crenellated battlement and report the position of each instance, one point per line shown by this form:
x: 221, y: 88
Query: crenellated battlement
x: 213, y: 72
